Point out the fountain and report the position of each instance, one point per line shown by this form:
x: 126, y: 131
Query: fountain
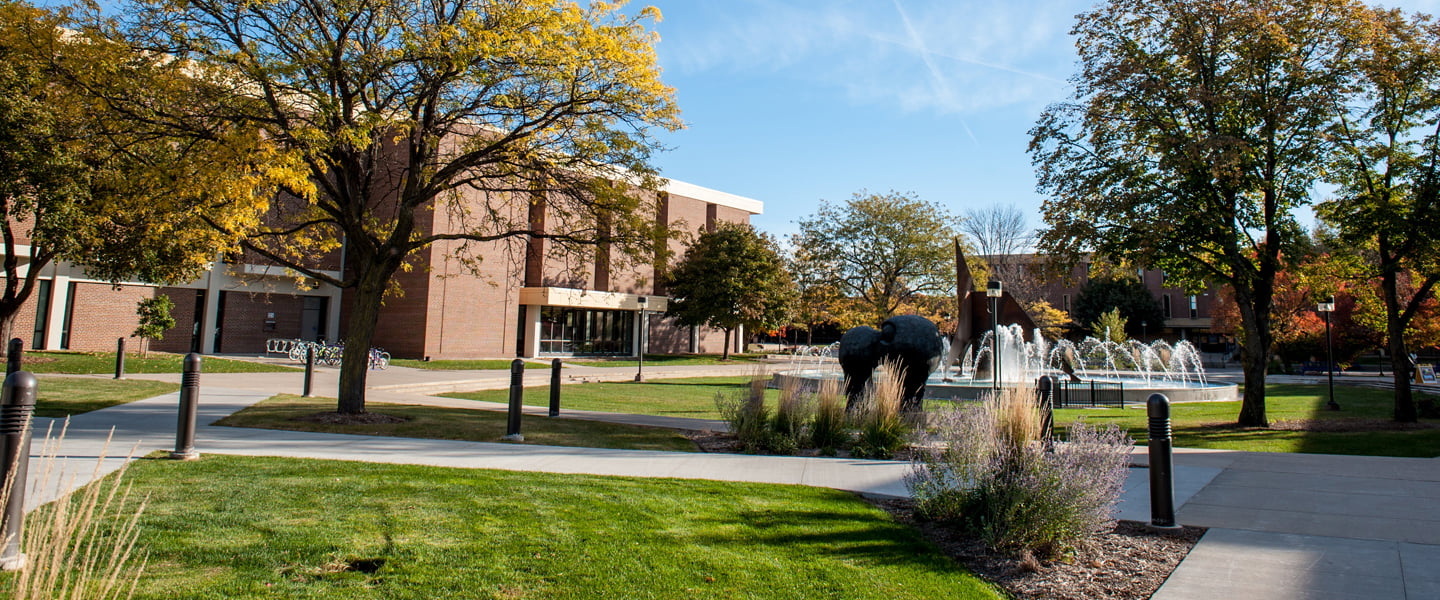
x: 1139, y: 369
x: 1132, y: 368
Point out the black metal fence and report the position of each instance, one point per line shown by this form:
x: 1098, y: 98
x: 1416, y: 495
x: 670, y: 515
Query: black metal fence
x: 1089, y: 393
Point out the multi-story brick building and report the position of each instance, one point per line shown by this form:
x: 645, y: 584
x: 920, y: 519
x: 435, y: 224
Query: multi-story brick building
x: 522, y: 302
x: 1187, y: 316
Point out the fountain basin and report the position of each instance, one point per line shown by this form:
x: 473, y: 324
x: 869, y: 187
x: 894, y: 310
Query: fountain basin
x: 1132, y: 390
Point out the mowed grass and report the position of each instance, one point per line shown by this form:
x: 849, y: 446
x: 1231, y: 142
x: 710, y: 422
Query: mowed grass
x: 692, y: 397
x: 431, y: 422
x: 243, y: 527
x: 91, y: 363
x: 1212, y: 424
x: 460, y: 365
x: 659, y: 360
x: 64, y: 396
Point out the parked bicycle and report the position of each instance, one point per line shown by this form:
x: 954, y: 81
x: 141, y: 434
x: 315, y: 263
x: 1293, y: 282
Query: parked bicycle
x: 379, y: 359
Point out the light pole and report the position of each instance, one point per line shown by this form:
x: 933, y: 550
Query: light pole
x: 640, y: 341
x: 993, y: 291
x: 1143, y: 336
x: 1325, y: 308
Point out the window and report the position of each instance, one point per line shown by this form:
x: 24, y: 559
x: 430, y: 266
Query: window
x: 575, y: 331
x: 1065, y: 302
x: 42, y: 314
x: 1165, y: 304
x: 1194, y: 307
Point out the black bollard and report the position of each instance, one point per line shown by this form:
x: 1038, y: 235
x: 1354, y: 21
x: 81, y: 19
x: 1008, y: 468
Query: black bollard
x: 1162, y: 480
x: 309, y: 368
x: 1046, y: 388
x: 17, y: 402
x: 189, y: 398
x: 120, y: 358
x: 517, y: 399
x: 555, y: 388
x: 14, y: 355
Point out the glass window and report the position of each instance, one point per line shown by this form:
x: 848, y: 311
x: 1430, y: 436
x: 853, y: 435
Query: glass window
x: 577, y: 331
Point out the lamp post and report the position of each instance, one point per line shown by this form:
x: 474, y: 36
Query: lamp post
x: 640, y: 342
x: 1325, y: 308
x: 994, y: 292
x: 1143, y: 335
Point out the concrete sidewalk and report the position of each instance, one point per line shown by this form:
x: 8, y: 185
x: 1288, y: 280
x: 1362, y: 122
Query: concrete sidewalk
x: 1282, y: 525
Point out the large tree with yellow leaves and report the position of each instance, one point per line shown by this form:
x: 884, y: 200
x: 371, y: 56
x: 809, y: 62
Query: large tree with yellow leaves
x: 395, y: 110
x: 121, y: 206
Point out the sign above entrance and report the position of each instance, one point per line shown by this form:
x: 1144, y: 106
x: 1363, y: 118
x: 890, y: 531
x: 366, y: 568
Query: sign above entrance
x: 555, y: 296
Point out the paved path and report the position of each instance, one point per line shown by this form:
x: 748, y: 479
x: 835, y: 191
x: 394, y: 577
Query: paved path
x: 1282, y: 525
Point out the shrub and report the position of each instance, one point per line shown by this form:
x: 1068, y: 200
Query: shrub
x: 83, y: 544
x: 827, y: 430
x: 987, y: 473
x: 791, y: 412
x: 749, y: 418
x: 882, y: 430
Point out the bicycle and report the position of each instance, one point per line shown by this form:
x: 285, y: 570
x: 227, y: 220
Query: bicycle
x: 379, y: 359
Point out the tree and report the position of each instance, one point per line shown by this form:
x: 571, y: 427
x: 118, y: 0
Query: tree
x: 730, y: 277
x: 1050, y: 320
x: 154, y: 320
x: 118, y: 206
x: 819, y: 299
x: 1127, y: 295
x: 1194, y: 131
x: 1001, y: 235
x: 422, y: 122
x: 1110, y: 326
x: 1387, y: 167
x: 881, y: 249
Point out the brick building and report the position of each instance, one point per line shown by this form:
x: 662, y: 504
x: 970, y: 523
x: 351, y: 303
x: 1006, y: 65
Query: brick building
x: 523, y: 302
x: 1187, y: 316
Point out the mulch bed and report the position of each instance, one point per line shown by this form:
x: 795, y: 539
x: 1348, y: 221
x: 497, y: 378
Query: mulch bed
x: 334, y: 418
x: 1128, y: 562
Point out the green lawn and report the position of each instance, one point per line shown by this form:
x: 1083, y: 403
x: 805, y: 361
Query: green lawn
x: 87, y: 363
x: 692, y: 397
x: 460, y: 365
x: 666, y: 360
x: 1212, y: 424
x: 242, y: 527
x: 459, y: 424
x: 63, y: 396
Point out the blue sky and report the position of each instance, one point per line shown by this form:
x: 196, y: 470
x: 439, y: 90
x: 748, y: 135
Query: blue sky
x: 793, y: 101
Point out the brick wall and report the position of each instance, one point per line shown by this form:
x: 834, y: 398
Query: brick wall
x: 24, y: 327
x: 475, y: 314
x: 102, y: 314
x: 177, y: 338
x: 243, y: 329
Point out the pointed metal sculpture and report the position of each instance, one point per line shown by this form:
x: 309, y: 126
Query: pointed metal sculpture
x: 974, y: 311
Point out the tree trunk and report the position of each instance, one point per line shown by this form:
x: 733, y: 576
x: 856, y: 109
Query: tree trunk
x: 1254, y: 357
x: 7, y: 326
x: 725, y: 354
x: 1395, y: 329
x: 359, y: 334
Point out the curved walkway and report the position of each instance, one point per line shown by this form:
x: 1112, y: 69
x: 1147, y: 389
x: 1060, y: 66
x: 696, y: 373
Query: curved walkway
x: 1282, y: 525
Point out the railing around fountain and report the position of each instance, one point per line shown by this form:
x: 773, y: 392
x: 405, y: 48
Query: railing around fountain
x: 1089, y: 393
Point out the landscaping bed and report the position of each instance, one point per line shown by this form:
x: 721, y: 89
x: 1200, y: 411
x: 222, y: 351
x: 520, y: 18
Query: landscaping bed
x: 1128, y: 562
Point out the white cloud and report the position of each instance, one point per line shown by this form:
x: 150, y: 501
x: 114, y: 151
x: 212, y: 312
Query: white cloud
x: 917, y: 55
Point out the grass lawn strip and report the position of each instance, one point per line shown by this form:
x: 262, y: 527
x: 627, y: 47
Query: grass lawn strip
x: 429, y: 422
x: 95, y: 363
x: 242, y: 527
x: 461, y: 365
x: 692, y: 397
x: 1364, y: 422
x: 665, y: 360
x: 59, y: 397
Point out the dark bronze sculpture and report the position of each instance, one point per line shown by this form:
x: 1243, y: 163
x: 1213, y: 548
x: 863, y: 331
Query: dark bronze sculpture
x: 911, y: 341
